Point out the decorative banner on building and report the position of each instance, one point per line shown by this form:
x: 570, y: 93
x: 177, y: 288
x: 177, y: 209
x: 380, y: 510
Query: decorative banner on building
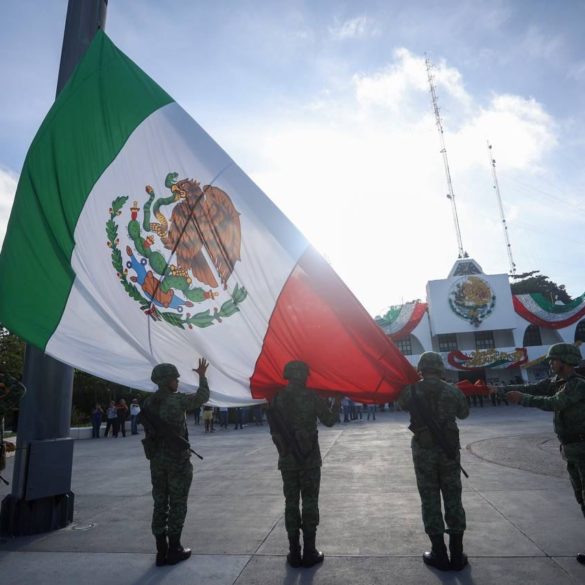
x: 401, y: 320
x: 487, y: 358
x: 538, y: 311
x: 472, y: 299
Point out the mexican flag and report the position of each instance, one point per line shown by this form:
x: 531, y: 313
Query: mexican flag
x: 134, y: 239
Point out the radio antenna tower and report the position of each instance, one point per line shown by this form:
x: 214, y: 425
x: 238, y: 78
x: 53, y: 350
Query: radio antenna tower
x: 502, y: 216
x: 450, y: 194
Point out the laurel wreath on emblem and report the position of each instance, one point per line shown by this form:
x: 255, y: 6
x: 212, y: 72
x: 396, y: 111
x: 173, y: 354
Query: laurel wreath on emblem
x: 201, y: 219
x: 472, y: 299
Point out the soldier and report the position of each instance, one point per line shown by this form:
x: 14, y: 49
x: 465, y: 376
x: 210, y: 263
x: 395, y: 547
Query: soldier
x: 167, y: 448
x: 293, y: 425
x: 564, y: 394
x: 434, y: 407
x: 11, y: 391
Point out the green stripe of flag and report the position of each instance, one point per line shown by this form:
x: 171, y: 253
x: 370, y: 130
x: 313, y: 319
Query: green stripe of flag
x: 107, y: 97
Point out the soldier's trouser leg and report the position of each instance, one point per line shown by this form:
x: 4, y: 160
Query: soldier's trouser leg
x: 160, y: 495
x: 576, y: 469
x: 450, y: 482
x: 180, y: 478
x: 170, y: 488
x: 310, y: 480
x: 291, y: 487
x: 574, y: 455
x: 426, y: 468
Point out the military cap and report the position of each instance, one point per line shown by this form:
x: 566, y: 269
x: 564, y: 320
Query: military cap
x: 296, y: 369
x: 566, y: 352
x: 162, y: 372
x: 430, y: 360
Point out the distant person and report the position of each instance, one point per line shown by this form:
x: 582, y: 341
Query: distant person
x: 122, y: 410
x: 223, y: 417
x: 433, y: 403
x: 208, y: 418
x: 97, y: 415
x: 134, y: 412
x: 239, y: 419
x: 563, y: 394
x: 111, y: 419
x: 292, y: 417
x: 166, y: 446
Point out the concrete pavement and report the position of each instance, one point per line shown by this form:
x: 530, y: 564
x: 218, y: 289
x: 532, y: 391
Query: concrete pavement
x: 524, y: 526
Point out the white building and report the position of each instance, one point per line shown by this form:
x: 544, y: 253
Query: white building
x: 481, y: 329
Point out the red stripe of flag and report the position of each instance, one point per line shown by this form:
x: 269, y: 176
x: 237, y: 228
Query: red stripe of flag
x: 317, y: 319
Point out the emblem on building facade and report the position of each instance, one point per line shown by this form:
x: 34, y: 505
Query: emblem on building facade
x: 472, y: 299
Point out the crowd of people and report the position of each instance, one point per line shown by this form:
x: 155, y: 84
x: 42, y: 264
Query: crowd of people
x: 115, y: 416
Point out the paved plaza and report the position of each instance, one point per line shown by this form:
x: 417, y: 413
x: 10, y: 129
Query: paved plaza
x: 524, y: 527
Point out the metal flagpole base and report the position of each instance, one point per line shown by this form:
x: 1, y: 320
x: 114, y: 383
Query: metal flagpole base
x: 26, y: 517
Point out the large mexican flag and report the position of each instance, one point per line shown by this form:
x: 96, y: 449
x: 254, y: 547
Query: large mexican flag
x: 134, y: 239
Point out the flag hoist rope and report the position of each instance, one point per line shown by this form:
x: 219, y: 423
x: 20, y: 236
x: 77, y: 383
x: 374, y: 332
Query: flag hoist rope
x: 188, y: 220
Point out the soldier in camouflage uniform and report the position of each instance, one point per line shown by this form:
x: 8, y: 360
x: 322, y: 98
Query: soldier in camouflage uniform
x: 11, y: 391
x: 436, y: 474
x: 163, y: 416
x: 299, y: 460
x: 564, y: 394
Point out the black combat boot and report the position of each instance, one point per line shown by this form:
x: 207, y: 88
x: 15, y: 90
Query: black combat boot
x: 311, y: 556
x: 162, y: 548
x: 176, y: 552
x: 581, y: 558
x: 294, y: 558
x: 458, y: 557
x: 438, y: 556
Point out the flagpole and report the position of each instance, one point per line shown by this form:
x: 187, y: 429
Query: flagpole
x: 41, y: 498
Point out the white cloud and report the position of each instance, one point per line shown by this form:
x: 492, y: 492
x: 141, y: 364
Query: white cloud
x: 402, y: 82
x: 354, y: 28
x: 520, y: 130
x: 8, y: 182
x: 362, y: 176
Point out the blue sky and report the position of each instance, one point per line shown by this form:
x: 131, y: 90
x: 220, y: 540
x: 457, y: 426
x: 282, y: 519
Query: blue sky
x: 326, y: 106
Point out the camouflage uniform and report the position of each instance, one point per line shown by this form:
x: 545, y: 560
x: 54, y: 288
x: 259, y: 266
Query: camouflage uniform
x: 301, y: 408
x: 170, y: 468
x: 566, y: 398
x: 436, y: 474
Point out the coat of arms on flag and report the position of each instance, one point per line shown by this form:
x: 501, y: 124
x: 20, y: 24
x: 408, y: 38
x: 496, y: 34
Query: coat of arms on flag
x: 201, y: 228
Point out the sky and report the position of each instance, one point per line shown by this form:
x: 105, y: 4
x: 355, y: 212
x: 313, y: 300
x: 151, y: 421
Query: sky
x: 326, y: 106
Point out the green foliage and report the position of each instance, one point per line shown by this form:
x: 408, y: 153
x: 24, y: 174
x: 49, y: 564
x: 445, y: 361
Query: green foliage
x: 532, y: 282
x: 11, y: 352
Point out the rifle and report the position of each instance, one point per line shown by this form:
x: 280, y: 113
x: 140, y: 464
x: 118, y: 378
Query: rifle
x: 166, y: 431
x: 434, y: 429
x: 278, y: 425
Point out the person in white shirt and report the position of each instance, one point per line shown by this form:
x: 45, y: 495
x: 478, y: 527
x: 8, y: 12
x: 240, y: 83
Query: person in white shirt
x: 134, y: 412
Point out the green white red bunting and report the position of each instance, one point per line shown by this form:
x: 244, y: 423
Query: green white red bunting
x: 538, y: 311
x: 134, y: 239
x: 401, y: 320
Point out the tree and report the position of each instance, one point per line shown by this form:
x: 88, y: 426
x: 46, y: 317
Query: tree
x: 532, y: 282
x: 11, y: 352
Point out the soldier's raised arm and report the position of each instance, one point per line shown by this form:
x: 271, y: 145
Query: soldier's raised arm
x: 202, y: 395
